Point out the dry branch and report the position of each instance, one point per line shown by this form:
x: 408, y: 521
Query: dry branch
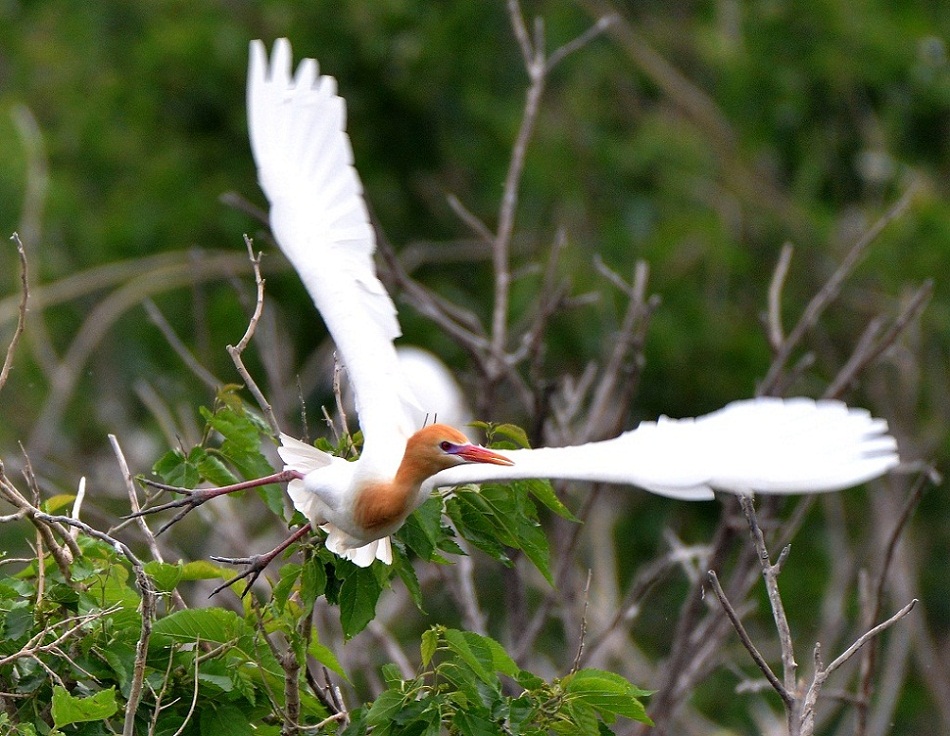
x: 21, y: 312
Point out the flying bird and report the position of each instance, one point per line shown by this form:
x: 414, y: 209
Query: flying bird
x: 320, y: 221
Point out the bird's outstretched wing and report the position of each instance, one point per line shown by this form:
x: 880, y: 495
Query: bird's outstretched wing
x: 763, y: 445
x: 320, y: 221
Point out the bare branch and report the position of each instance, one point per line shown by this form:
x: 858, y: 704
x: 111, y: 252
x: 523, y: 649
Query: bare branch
x: 582, y: 639
x: 873, y: 612
x: 236, y: 351
x: 181, y: 350
x: 822, y: 674
x: 832, y: 287
x: 770, y: 574
x: 535, y: 66
x: 521, y: 31
x: 602, y: 24
x: 21, y: 312
x: 747, y: 642
x: 134, y: 504
x: 617, y: 381
x: 471, y: 219
x: 870, y: 347
x: 774, y: 319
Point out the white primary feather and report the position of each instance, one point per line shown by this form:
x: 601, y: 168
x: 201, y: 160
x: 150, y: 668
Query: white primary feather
x: 763, y: 445
x: 320, y: 221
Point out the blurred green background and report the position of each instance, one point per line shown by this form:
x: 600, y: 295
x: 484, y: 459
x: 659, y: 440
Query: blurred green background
x: 751, y: 124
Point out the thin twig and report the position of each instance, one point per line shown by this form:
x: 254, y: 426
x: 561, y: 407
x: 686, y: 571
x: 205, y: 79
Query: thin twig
x: 235, y: 351
x: 21, y: 311
x: 471, y: 219
x: 822, y: 673
x: 194, y: 695
x: 776, y: 331
x: 582, y: 639
x: 75, y: 625
x: 832, y: 287
x: 870, y: 347
x: 181, y: 350
x: 747, y: 642
x: 150, y: 540
x: 535, y: 66
x: 770, y: 574
x: 602, y: 24
x: 869, y: 656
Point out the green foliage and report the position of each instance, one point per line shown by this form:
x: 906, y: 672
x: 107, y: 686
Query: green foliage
x: 72, y: 643
x: 464, y: 689
x: 494, y: 518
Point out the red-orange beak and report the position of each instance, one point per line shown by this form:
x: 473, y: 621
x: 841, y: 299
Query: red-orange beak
x: 479, y: 454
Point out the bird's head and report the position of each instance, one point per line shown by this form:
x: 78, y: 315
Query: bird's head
x: 439, y: 446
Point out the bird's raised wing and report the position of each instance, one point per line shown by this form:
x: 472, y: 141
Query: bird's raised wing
x: 320, y: 221
x: 763, y: 445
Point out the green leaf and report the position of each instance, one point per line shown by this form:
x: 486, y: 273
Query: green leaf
x: 512, y: 511
x: 216, y: 673
x: 428, y: 645
x: 17, y: 622
x: 289, y: 574
x: 407, y: 573
x: 469, y: 513
x: 324, y: 655
x: 224, y: 719
x: 419, y: 533
x: 235, y: 427
x: 385, y: 708
x: 213, y: 470
x: 358, y: 595
x: 207, y: 624
x: 313, y: 581
x: 521, y: 712
x: 121, y: 658
x: 483, y: 655
x: 176, y: 470
x: 60, y: 501
x: 608, y: 692
x: 202, y: 570
x: 69, y: 709
x: 581, y: 717
x: 544, y: 492
x: 166, y: 577
x: 529, y: 680
x: 475, y: 722
x: 512, y: 432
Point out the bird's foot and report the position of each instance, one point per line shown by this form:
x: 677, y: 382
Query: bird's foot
x: 253, y: 567
x: 193, y: 498
x: 256, y: 564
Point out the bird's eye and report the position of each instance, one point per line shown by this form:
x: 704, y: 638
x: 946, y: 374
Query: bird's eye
x: 446, y: 446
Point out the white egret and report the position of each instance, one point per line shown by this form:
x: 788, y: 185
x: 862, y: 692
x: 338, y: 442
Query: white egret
x: 320, y: 221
